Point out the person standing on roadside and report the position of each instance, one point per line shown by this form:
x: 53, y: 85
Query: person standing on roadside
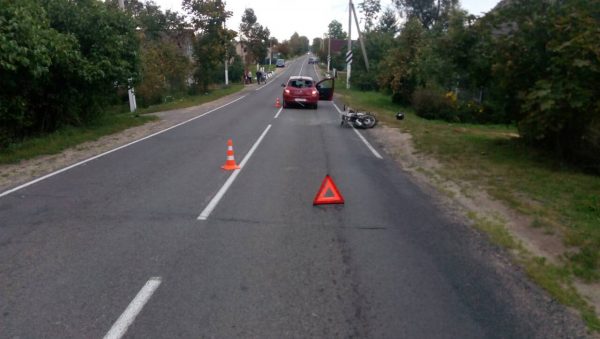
x: 258, y: 77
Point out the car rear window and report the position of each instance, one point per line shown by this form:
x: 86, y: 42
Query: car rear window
x: 299, y: 83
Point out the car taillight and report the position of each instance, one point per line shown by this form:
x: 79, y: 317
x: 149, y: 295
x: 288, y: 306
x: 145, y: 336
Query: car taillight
x: 315, y: 92
x: 287, y: 91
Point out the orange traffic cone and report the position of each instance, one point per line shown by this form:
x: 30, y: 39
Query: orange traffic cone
x: 230, y: 164
x: 277, y: 103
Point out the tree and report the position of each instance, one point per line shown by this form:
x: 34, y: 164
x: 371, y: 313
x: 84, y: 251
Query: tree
x: 283, y: 48
x: 428, y: 12
x: 256, y: 37
x: 336, y: 32
x: 164, y: 71
x: 399, y: 72
x: 547, y: 64
x: 318, y: 45
x: 56, y: 67
x: 388, y: 23
x: 208, y: 17
x: 298, y: 44
x: 370, y: 9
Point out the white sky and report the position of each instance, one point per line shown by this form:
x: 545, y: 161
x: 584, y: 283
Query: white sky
x: 307, y: 17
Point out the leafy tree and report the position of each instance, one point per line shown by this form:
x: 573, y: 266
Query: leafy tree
x: 165, y: 67
x: 317, y: 45
x: 547, y: 62
x: 298, y: 44
x: 370, y: 9
x: 208, y: 17
x: 283, y: 48
x: 56, y: 68
x: 256, y: 37
x: 336, y: 31
x: 378, y: 45
x: 388, y: 23
x: 164, y: 71
x: 428, y: 12
x: 398, y: 69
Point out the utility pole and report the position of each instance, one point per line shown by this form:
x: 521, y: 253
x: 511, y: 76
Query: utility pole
x: 360, y: 38
x: 130, y: 89
x: 349, y: 53
x: 226, y: 58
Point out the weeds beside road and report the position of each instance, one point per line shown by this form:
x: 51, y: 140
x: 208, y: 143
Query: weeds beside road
x: 559, y: 204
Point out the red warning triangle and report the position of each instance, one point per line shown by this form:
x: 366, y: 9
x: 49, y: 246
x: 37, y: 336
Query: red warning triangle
x: 328, y: 193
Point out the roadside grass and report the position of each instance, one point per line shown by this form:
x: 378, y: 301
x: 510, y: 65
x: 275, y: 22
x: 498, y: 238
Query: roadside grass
x: 269, y: 68
x: 115, y: 120
x: 562, y: 200
x: 70, y: 136
x: 192, y: 100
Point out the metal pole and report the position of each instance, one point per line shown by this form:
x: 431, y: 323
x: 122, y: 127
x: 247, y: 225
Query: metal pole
x: 130, y: 89
x: 328, y: 52
x: 349, y: 64
x: 226, y: 58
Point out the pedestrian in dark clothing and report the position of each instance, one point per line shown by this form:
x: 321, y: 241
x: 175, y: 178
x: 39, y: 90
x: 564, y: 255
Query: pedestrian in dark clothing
x: 259, y: 77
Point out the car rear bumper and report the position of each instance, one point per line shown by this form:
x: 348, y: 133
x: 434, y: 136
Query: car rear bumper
x: 300, y: 100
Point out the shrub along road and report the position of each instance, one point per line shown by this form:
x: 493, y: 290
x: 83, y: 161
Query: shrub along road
x: 80, y: 246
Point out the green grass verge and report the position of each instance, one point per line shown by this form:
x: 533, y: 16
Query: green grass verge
x: 192, y: 100
x: 114, y: 121
x: 561, y: 200
x: 70, y: 136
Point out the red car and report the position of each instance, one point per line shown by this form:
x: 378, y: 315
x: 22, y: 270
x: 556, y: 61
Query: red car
x: 303, y: 91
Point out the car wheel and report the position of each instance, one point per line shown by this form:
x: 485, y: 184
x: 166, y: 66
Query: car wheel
x: 285, y: 104
x: 315, y: 106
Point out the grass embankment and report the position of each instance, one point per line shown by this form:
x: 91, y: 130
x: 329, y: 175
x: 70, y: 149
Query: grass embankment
x: 560, y: 200
x: 110, y: 123
x: 70, y: 136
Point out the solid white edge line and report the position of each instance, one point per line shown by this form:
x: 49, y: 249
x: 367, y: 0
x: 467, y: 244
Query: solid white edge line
x: 133, y: 309
x: 371, y: 148
x: 27, y: 184
x: 278, y: 112
x: 215, y: 200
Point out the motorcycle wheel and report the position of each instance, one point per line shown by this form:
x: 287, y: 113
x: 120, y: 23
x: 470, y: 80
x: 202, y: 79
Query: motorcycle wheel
x: 369, y: 121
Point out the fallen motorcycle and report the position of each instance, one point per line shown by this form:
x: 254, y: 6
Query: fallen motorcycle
x: 358, y: 119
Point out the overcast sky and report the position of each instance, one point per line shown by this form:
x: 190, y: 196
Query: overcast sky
x: 306, y: 17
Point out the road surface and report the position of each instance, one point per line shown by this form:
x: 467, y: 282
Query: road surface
x: 155, y: 240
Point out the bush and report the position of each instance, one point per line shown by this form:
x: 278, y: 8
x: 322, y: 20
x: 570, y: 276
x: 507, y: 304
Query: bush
x: 433, y: 104
x: 58, y: 69
x: 548, y: 69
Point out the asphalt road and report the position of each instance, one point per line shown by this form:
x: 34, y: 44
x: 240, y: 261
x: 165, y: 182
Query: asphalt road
x: 116, y: 244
